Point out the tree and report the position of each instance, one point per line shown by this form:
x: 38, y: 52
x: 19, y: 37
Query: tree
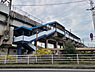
x: 69, y: 48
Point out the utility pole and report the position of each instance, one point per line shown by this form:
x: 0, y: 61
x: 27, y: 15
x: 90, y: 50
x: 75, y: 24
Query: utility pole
x: 93, y: 11
x: 36, y: 40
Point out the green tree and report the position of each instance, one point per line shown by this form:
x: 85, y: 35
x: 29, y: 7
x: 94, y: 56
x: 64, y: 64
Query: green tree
x: 69, y: 48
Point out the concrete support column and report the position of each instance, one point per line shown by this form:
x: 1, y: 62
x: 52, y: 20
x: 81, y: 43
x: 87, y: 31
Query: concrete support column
x: 56, y: 45
x: 4, y: 51
x: 54, y: 51
x: 60, y: 46
x: 34, y: 43
x: 57, y: 52
x: 19, y: 49
x: 63, y: 44
x: 46, y: 44
x: 8, y: 51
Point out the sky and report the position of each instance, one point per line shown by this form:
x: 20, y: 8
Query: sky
x: 72, y: 16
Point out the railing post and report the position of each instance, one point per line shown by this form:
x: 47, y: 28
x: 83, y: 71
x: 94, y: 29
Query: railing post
x: 5, y: 59
x: 28, y: 60
x: 77, y: 59
x: 36, y: 59
x: 52, y: 58
x: 16, y: 58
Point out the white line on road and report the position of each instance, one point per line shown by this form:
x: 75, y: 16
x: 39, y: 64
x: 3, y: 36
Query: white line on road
x: 51, y: 69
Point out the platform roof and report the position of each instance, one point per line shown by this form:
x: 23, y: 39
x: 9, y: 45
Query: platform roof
x: 51, y: 23
x: 79, y: 49
x: 23, y: 27
x: 73, y: 35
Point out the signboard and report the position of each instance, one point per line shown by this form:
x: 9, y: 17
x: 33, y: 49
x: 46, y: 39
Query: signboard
x: 91, y: 36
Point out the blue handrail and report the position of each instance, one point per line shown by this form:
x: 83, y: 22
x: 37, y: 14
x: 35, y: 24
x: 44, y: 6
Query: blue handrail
x: 35, y: 27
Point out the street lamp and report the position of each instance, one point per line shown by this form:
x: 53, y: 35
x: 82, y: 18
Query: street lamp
x: 36, y: 40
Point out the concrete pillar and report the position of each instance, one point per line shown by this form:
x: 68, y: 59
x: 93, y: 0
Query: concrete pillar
x: 54, y: 51
x: 19, y: 49
x: 8, y: 51
x: 4, y: 51
x: 56, y: 45
x: 58, y: 52
x: 46, y: 44
x: 34, y: 43
x: 63, y: 44
x: 60, y: 46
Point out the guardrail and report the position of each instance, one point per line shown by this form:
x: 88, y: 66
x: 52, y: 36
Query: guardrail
x: 26, y: 14
x: 48, y: 59
x: 31, y: 38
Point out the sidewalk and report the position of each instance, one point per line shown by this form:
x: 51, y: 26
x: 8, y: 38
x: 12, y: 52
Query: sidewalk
x: 49, y: 66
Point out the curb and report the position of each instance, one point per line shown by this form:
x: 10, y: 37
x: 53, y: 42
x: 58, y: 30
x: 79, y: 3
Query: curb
x: 50, y: 66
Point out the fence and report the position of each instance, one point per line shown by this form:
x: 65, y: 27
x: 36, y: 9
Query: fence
x: 48, y: 59
x: 26, y: 14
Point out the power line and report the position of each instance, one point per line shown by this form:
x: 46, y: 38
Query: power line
x: 53, y: 3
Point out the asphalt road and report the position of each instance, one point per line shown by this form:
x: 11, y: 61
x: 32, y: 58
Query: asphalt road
x: 47, y: 70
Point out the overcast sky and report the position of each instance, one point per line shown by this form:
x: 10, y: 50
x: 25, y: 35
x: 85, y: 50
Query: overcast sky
x: 72, y: 16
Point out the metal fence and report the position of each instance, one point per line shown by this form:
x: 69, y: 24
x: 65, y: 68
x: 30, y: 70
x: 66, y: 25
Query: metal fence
x: 48, y: 59
x: 24, y: 13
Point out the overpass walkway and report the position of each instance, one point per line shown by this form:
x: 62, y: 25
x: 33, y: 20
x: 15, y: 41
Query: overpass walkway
x: 23, y: 36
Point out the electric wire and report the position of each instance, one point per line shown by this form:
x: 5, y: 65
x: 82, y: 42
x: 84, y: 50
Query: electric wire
x: 53, y: 3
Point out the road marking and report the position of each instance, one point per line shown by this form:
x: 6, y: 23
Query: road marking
x: 50, y: 69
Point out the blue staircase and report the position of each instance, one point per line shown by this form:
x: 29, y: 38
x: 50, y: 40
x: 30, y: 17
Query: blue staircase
x: 26, y: 46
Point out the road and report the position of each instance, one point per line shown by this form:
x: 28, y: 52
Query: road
x: 47, y: 70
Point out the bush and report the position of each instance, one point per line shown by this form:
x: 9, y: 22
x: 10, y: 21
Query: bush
x: 43, y: 52
x: 69, y: 48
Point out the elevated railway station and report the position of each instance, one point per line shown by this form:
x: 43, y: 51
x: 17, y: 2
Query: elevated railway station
x: 53, y: 33
x: 23, y: 31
